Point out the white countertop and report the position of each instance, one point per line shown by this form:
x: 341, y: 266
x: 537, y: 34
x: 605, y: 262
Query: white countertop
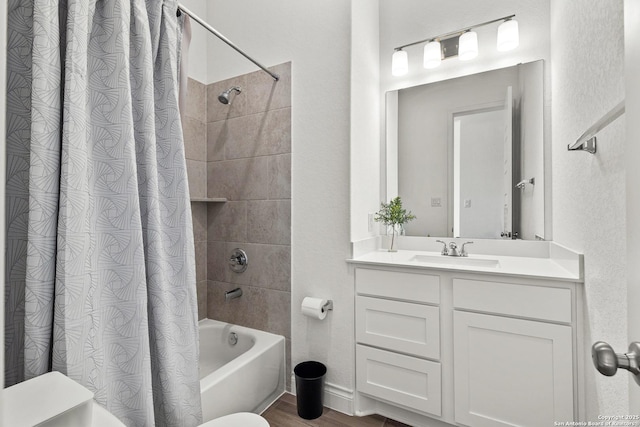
x: 522, y: 266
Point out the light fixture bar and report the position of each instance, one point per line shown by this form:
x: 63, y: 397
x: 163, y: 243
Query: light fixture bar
x: 454, y: 33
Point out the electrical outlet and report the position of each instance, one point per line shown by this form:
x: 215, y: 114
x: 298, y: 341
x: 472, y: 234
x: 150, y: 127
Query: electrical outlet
x: 371, y: 221
x: 467, y: 203
x: 436, y: 202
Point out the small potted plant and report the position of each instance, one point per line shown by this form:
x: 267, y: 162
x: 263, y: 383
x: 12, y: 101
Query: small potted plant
x: 395, y: 216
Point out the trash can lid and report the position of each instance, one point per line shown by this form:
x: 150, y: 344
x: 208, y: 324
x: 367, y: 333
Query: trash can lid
x: 310, y: 370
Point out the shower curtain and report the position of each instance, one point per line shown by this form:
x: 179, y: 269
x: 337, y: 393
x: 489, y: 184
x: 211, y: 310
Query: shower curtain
x: 100, y: 278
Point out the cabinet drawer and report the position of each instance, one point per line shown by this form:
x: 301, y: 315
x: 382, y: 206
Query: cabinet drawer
x: 404, y: 380
x: 398, y: 285
x: 535, y: 302
x: 399, y: 326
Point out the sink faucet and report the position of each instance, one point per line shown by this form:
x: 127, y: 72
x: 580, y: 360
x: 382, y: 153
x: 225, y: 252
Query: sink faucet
x: 452, y: 249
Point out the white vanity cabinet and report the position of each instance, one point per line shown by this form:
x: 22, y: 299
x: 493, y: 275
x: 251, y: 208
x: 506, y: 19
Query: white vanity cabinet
x: 437, y: 347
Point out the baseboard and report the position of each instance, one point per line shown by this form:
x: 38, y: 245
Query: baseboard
x: 336, y: 397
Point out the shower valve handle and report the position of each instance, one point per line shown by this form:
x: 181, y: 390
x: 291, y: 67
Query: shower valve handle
x: 238, y: 261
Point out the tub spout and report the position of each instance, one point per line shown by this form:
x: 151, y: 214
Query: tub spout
x: 233, y: 294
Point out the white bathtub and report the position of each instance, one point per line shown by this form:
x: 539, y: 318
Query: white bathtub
x: 245, y: 377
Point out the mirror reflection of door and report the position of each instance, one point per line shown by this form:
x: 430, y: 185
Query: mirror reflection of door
x: 481, y: 165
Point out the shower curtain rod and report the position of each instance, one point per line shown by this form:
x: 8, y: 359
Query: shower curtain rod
x: 224, y: 39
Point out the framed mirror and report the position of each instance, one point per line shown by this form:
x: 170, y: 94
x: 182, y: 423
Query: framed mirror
x: 467, y: 154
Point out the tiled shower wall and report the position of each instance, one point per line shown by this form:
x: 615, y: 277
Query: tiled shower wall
x: 247, y: 148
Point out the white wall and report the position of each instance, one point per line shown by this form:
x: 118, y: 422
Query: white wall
x: 199, y: 41
x: 365, y: 117
x: 587, y: 61
x: 632, y: 154
x: 315, y: 37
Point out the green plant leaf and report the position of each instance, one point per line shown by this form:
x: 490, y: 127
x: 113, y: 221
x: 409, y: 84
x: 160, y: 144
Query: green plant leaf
x: 392, y: 213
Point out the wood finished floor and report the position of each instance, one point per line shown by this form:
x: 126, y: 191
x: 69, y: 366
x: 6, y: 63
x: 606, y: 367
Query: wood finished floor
x: 283, y: 413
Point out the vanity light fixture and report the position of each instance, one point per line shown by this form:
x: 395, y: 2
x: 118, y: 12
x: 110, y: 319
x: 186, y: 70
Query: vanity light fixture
x: 508, y: 35
x: 399, y: 63
x: 468, y: 45
x: 432, y: 54
x: 462, y: 43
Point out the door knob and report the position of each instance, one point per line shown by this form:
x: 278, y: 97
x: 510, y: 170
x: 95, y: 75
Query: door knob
x: 607, y: 362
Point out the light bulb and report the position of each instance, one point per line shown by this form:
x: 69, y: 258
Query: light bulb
x: 399, y: 63
x: 432, y: 54
x: 468, y: 46
x: 508, y: 36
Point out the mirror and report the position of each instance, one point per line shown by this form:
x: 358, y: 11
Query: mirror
x: 467, y: 154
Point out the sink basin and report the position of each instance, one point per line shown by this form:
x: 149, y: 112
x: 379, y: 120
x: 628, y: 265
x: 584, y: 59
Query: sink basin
x: 453, y: 261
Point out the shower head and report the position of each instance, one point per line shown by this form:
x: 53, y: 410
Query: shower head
x: 225, y: 98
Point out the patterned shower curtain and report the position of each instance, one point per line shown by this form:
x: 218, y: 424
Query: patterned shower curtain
x: 100, y: 280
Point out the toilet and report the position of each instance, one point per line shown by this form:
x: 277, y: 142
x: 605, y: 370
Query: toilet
x: 240, y: 419
x: 55, y: 400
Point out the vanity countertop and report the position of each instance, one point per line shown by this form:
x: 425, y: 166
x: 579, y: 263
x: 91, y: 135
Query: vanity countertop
x: 522, y: 266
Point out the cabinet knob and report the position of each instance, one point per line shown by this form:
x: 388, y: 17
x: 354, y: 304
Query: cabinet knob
x: 607, y: 362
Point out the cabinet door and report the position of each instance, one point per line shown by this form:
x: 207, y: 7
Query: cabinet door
x: 511, y: 372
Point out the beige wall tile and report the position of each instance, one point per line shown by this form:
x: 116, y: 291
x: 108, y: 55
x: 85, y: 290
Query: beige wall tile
x: 202, y: 299
x: 280, y: 177
x: 244, y: 179
x: 269, y: 221
x: 218, y: 111
x: 201, y: 261
x: 199, y: 217
x: 258, y: 308
x: 259, y: 93
x: 263, y: 93
x: 196, y: 100
x: 195, y: 139
x: 227, y: 221
x: 258, y: 134
x: 217, y: 136
x: 217, y: 261
x: 269, y: 265
x: 197, y: 175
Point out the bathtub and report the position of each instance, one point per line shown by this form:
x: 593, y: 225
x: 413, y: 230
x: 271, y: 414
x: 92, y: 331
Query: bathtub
x: 244, y: 377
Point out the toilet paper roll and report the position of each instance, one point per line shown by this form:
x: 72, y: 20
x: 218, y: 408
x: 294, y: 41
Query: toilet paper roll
x: 312, y: 307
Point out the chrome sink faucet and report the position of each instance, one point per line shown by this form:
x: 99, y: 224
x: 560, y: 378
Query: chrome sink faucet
x: 452, y: 249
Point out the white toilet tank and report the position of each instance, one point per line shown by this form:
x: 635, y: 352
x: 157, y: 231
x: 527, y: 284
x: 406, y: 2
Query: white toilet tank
x: 50, y: 400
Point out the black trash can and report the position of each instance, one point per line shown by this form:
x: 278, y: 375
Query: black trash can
x: 310, y: 389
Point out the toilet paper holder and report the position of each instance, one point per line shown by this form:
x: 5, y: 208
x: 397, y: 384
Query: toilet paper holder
x: 327, y: 306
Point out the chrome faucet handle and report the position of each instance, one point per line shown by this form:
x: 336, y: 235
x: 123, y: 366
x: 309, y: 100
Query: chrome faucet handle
x: 463, y: 252
x: 444, y: 251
